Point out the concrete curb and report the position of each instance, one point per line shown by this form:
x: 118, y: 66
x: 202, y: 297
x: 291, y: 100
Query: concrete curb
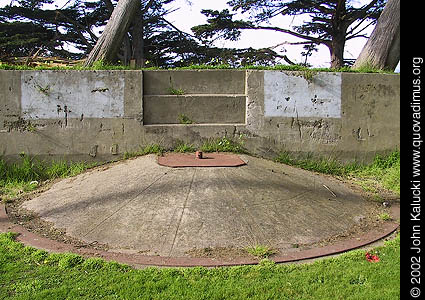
x: 35, y: 240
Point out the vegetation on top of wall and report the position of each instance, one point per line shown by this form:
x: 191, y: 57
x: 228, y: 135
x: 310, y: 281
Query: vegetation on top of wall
x: 99, y: 65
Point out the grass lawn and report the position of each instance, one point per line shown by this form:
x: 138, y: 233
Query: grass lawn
x: 27, y: 273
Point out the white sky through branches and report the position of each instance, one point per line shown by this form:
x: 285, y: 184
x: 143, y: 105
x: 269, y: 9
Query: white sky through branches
x: 187, y: 13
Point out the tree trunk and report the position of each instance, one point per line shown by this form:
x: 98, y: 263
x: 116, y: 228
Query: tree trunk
x: 382, y: 50
x: 138, y: 42
x: 336, y: 48
x: 111, y: 39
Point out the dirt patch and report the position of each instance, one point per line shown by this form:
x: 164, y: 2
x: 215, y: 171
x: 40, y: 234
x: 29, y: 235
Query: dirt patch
x: 219, y: 253
x: 365, y: 223
x: 33, y: 223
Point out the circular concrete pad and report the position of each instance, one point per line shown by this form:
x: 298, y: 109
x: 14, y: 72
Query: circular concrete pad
x: 140, y: 206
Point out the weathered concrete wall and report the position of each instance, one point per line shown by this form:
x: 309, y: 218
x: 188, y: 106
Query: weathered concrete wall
x: 343, y: 115
x: 203, y: 97
x: 86, y: 115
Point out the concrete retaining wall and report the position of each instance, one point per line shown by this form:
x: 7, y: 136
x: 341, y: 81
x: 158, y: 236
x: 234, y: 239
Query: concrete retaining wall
x: 86, y: 115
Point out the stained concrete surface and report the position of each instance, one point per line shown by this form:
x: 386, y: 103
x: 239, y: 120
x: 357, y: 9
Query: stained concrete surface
x: 140, y: 206
x: 90, y: 116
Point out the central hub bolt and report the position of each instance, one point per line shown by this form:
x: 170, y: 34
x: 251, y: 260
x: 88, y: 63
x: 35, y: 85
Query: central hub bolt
x: 198, y: 155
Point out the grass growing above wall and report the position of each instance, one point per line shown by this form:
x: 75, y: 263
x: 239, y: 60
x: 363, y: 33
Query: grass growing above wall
x: 101, y: 66
x: 383, y: 171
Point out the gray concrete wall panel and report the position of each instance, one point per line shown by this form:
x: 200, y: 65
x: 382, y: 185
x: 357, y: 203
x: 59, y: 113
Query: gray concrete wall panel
x: 348, y: 116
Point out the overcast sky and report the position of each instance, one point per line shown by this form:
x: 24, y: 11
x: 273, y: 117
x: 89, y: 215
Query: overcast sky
x: 188, y: 14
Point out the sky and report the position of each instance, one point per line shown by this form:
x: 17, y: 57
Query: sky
x: 188, y: 14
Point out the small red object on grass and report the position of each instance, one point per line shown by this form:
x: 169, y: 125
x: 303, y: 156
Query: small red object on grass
x: 371, y: 258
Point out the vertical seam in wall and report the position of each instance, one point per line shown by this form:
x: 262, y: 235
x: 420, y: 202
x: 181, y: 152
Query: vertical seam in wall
x: 246, y: 97
x: 142, y: 121
x: 20, y: 93
x: 342, y: 115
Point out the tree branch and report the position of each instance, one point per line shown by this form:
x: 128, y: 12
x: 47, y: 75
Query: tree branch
x: 351, y: 35
x: 178, y: 30
x: 296, y: 34
x: 145, y: 9
x: 109, y: 6
x: 76, y: 24
x: 357, y: 13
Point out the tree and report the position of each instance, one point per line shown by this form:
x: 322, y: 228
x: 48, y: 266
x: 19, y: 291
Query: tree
x: 23, y: 39
x: 331, y: 23
x: 70, y: 25
x: 110, y: 41
x: 382, y: 50
x: 28, y: 27
x: 74, y: 25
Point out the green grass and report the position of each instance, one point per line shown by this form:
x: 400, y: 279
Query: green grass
x: 102, y: 66
x: 385, y: 217
x: 223, y: 144
x: 18, y: 178
x: 383, y: 172
x: 25, y: 176
x: 148, y: 149
x: 260, y: 251
x: 183, y: 119
x: 183, y: 147
x: 27, y: 273
x: 173, y: 91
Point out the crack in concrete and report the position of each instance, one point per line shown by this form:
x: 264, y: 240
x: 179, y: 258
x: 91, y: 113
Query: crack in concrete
x: 181, y: 215
x: 122, y: 206
x: 295, y: 197
x: 250, y: 215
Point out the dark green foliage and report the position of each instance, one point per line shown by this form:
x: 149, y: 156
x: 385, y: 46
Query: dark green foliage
x: 22, y: 38
x: 148, y: 149
x: 334, y: 167
x: 221, y: 21
x: 28, y: 28
x: 71, y: 24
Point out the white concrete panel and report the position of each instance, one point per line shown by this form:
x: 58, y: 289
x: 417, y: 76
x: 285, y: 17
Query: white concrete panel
x: 289, y: 95
x: 72, y: 94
